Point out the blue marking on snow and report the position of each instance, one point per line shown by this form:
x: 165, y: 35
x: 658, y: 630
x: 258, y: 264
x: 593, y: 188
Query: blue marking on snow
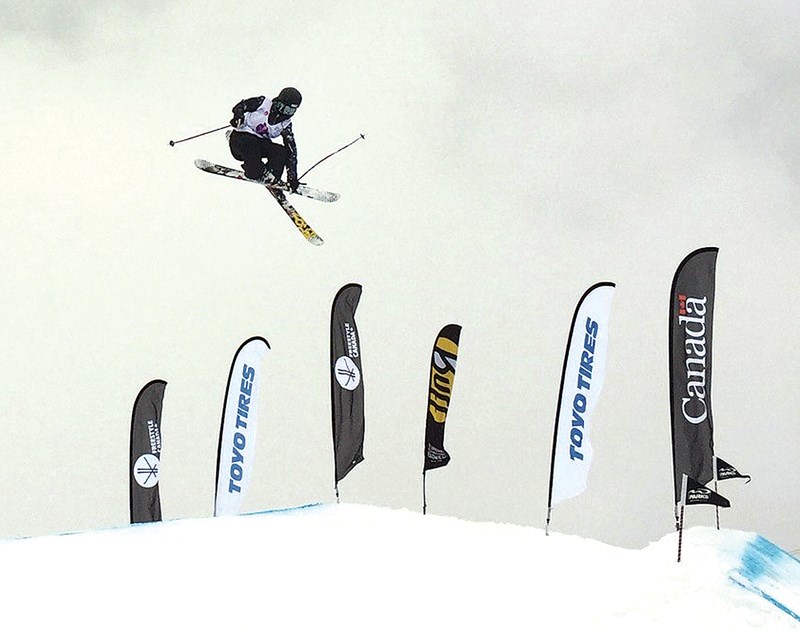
x: 151, y: 524
x: 772, y: 573
x: 289, y: 509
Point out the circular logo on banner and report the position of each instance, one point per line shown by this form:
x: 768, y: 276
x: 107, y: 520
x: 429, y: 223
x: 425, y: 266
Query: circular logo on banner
x: 145, y: 470
x: 347, y: 373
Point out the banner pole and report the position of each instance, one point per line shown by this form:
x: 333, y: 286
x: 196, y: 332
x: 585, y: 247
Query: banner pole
x: 424, y: 495
x: 683, y: 506
x: 716, y: 488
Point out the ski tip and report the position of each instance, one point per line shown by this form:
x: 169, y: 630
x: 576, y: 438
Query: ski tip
x: 316, y: 240
x: 320, y: 196
x: 199, y: 163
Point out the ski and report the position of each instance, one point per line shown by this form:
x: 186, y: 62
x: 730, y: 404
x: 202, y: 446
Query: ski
x: 305, y: 191
x: 301, y: 224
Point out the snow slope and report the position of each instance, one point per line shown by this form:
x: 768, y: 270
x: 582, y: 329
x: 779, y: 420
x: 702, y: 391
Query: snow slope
x: 362, y: 567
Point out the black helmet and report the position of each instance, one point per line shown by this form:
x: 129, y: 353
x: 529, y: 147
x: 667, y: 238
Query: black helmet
x: 287, y: 101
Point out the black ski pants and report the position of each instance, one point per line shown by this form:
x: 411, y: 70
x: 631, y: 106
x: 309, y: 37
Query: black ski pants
x: 251, y: 150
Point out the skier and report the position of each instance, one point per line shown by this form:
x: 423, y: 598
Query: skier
x: 256, y: 121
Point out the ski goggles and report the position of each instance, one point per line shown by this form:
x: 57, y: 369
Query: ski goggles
x: 283, y: 108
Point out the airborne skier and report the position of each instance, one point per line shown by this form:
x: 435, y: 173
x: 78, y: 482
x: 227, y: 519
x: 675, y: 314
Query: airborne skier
x: 256, y: 122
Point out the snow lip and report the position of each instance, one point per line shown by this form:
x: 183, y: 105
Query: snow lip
x: 310, y: 558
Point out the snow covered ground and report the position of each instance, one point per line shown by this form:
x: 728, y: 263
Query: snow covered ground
x: 362, y: 567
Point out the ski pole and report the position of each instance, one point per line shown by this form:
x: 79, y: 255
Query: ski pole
x: 172, y: 143
x: 360, y: 137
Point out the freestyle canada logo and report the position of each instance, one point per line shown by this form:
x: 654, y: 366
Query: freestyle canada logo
x: 154, y: 433
x: 145, y: 470
x: 345, y: 369
x: 692, y: 318
x: 347, y: 373
x: 236, y: 471
x: 579, y: 401
x: 351, y: 339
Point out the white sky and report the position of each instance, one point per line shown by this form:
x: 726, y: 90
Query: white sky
x: 516, y: 153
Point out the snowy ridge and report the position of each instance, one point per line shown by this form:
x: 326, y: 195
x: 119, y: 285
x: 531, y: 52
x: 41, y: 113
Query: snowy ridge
x: 323, y: 566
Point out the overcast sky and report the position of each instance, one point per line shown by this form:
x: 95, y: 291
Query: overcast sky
x: 516, y: 153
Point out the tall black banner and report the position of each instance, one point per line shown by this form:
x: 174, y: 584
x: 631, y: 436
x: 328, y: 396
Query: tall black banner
x: 347, y: 385
x: 691, y: 319
x: 440, y: 390
x: 146, y: 453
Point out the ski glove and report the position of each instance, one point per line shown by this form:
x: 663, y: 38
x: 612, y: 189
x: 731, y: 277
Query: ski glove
x: 236, y: 122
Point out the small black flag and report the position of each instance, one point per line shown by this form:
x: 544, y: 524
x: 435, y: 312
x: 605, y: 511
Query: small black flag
x: 727, y: 471
x: 696, y: 493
